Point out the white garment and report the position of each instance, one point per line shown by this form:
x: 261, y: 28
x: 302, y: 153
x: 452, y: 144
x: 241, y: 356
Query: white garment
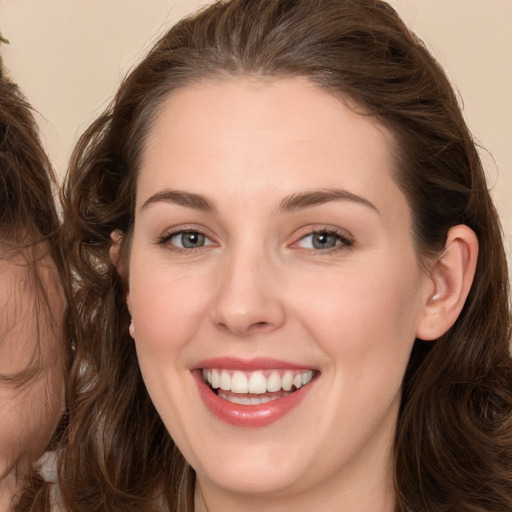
x: 47, y: 467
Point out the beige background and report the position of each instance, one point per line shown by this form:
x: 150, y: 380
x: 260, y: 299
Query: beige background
x: 69, y: 56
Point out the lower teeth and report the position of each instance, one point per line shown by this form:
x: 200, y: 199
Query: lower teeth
x: 244, y: 400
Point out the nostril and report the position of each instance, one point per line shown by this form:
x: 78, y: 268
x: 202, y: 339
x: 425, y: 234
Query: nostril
x: 258, y: 326
x: 254, y: 327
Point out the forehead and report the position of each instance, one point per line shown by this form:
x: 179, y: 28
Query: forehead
x: 258, y: 133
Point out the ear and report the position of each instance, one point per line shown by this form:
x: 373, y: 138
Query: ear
x: 451, y: 276
x: 115, y: 248
x: 114, y: 253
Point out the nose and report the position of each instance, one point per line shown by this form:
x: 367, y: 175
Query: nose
x: 248, y: 300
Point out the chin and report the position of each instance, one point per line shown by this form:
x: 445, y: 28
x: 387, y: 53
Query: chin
x: 255, y: 479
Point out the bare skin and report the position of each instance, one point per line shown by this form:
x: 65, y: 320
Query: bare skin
x: 268, y: 225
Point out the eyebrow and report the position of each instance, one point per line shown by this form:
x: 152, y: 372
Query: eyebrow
x: 186, y: 199
x: 305, y: 200
x: 292, y: 203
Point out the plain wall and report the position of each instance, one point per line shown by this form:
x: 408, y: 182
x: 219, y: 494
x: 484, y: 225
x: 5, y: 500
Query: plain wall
x: 69, y: 56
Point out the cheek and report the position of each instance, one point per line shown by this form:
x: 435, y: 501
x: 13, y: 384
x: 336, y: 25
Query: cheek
x: 11, y: 437
x: 365, y: 319
x: 164, y: 310
x: 167, y: 308
x: 31, y: 411
x: 29, y: 417
x: 364, y: 322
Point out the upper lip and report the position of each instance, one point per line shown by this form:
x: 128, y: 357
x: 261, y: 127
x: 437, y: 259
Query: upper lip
x: 249, y: 365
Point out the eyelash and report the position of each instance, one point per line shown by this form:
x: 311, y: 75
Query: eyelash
x: 165, y: 240
x: 342, y: 240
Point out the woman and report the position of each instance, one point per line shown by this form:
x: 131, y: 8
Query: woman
x: 291, y: 285
x: 32, y: 355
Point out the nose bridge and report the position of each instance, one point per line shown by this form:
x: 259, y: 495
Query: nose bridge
x: 248, y: 299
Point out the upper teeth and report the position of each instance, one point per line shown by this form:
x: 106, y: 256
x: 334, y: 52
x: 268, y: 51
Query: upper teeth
x: 237, y: 381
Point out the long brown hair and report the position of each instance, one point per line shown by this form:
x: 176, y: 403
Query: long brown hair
x: 454, y: 437
x: 29, y: 226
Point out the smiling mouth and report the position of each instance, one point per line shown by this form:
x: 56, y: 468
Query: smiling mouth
x: 257, y: 387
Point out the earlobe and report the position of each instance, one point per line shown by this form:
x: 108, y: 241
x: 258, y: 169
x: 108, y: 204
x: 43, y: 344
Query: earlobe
x: 451, y: 277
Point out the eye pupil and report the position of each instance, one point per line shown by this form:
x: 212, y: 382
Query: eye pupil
x: 324, y: 241
x: 192, y: 239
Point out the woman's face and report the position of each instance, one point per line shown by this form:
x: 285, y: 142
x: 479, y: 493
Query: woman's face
x: 31, y: 380
x: 272, y: 248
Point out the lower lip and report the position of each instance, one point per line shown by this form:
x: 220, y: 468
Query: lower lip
x: 254, y: 416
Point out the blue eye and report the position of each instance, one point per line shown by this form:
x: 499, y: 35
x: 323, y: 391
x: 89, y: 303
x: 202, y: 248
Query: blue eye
x: 188, y: 239
x: 323, y: 240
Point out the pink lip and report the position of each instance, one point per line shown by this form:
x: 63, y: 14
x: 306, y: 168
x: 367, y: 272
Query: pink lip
x: 249, y: 365
x: 253, y: 416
